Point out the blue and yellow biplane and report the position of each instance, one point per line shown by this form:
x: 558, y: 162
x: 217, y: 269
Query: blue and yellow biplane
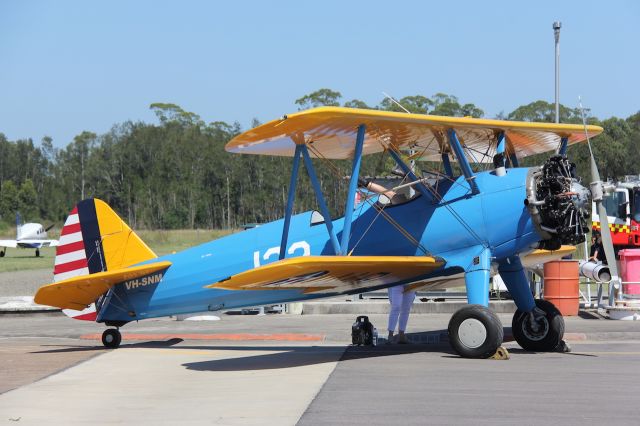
x: 458, y: 228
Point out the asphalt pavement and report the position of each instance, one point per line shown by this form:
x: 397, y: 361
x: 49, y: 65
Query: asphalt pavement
x: 288, y: 369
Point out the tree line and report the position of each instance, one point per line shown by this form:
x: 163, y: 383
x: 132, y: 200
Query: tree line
x: 176, y: 174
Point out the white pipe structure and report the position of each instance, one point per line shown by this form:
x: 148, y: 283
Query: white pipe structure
x: 594, y: 271
x: 556, y: 33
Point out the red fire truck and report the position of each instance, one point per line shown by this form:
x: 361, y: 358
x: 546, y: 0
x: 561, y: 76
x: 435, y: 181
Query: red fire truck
x: 623, y: 211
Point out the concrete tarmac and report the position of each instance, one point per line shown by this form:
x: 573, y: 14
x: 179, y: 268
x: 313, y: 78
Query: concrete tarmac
x: 53, y: 371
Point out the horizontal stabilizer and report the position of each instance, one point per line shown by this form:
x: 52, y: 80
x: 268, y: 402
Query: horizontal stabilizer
x: 79, y: 292
x: 331, y: 273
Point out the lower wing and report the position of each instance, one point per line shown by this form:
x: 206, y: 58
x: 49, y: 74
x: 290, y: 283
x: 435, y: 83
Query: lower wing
x: 318, y: 274
x: 532, y: 261
x: 37, y: 243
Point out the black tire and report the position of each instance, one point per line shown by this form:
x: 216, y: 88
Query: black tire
x: 111, y: 338
x: 551, y: 331
x: 37, y: 252
x: 475, y: 332
x: 2, y: 253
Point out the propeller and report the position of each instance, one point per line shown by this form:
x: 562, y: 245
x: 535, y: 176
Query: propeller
x: 49, y: 227
x: 598, y: 189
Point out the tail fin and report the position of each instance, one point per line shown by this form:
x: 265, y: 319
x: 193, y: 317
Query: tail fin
x: 94, y: 239
x: 18, y: 225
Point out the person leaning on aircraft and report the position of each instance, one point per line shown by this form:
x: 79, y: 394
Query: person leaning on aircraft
x: 370, y: 185
x: 400, y: 298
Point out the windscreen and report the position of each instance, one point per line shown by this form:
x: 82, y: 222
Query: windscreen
x: 635, y: 213
x: 612, y: 203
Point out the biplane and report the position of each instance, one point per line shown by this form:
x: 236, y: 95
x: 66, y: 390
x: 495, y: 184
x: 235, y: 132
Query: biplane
x: 480, y: 215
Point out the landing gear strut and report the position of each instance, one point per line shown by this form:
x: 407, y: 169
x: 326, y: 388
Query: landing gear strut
x: 540, y: 330
x: 111, y: 338
x: 475, y: 332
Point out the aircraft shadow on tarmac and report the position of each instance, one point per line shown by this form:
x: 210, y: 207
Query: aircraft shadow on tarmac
x: 298, y: 356
x: 100, y: 348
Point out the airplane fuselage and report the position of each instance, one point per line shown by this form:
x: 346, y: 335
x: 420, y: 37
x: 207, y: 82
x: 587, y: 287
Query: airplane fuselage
x: 454, y: 225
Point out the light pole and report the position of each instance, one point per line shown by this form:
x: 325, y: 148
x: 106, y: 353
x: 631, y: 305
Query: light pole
x: 556, y: 33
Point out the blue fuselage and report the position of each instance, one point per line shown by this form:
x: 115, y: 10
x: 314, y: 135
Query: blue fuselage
x: 454, y: 225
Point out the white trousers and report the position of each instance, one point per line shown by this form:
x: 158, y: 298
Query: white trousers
x: 401, y: 302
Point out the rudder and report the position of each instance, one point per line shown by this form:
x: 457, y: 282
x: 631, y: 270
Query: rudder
x: 95, y: 239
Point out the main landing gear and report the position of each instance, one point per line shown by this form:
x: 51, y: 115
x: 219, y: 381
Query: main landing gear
x: 111, y: 338
x: 37, y: 252
x: 2, y: 253
x: 541, y: 330
x: 475, y: 332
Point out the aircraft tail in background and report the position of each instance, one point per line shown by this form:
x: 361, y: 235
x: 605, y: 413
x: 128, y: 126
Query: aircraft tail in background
x: 18, y: 225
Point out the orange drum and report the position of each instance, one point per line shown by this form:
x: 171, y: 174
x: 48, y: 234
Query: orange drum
x: 561, y: 285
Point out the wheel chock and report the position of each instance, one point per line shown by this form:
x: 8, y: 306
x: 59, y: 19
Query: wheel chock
x: 563, y: 347
x: 501, y: 354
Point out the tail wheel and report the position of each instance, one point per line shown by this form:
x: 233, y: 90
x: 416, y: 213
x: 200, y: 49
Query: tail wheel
x: 111, y: 338
x: 539, y: 331
x: 475, y: 332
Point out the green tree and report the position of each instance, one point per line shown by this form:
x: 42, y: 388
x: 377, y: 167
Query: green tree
x: 356, y: 103
x: 417, y: 104
x: 168, y: 112
x: 27, y: 198
x: 321, y: 97
x: 8, y: 200
x: 545, y: 112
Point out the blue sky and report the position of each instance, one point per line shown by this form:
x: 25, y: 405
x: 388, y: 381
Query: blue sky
x: 69, y: 66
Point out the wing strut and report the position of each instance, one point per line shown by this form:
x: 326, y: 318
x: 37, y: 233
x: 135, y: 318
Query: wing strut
x: 463, y: 161
x: 302, y: 151
x: 353, y: 185
x: 290, y: 199
x: 564, y: 143
x: 323, y: 205
x: 405, y: 168
x: 446, y: 162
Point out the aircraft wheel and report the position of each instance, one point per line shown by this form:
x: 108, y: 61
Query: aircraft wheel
x: 111, y: 338
x: 37, y: 252
x: 475, y: 332
x: 541, y: 332
x: 2, y: 253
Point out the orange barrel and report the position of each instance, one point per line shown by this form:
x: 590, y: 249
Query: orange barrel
x: 630, y: 270
x: 561, y: 285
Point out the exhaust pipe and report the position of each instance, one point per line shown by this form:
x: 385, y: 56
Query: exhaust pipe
x: 594, y: 271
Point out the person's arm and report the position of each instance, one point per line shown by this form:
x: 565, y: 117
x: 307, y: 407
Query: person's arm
x: 374, y: 187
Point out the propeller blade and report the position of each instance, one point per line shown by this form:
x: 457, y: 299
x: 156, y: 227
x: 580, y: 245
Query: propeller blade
x: 607, y: 243
x: 597, y: 193
x: 595, y: 174
x: 49, y: 227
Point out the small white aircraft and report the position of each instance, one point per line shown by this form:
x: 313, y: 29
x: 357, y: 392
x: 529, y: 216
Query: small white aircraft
x: 29, y: 236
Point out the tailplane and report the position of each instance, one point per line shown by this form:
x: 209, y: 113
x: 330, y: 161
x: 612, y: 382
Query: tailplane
x: 94, y: 239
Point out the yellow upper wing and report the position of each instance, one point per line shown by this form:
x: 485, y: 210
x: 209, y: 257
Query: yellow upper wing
x: 332, y: 132
x: 330, y: 273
